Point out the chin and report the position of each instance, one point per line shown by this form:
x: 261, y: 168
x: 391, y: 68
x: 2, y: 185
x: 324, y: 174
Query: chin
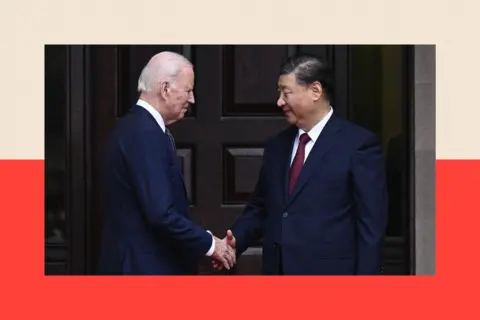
x: 291, y: 119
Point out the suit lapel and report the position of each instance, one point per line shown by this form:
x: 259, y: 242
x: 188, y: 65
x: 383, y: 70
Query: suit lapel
x: 170, y: 144
x: 321, y: 147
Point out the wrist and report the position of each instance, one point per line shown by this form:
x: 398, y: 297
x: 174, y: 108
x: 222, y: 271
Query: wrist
x: 212, y: 247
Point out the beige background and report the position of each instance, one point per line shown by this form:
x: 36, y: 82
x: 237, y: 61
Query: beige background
x: 26, y: 25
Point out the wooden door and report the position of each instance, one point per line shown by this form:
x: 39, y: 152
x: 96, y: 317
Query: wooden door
x: 220, y: 142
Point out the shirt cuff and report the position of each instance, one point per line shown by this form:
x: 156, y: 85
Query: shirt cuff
x: 212, y: 248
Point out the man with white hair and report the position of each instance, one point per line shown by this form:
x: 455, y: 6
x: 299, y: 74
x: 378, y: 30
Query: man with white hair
x: 147, y: 229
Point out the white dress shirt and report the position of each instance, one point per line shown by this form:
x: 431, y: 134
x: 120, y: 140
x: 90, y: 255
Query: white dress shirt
x: 314, y: 133
x: 161, y: 123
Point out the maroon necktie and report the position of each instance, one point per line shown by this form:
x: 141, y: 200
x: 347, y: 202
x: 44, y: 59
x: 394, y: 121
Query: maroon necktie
x: 298, y: 161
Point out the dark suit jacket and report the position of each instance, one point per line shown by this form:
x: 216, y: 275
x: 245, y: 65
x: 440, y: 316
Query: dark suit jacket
x: 147, y: 229
x: 334, y: 221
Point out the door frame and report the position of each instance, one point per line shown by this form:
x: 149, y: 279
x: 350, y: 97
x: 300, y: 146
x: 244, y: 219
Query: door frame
x: 409, y: 127
x: 77, y: 175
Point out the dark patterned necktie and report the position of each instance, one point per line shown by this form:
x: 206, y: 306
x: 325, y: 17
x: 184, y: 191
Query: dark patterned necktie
x: 172, y: 141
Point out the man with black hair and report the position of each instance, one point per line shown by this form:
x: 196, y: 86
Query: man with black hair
x: 321, y: 201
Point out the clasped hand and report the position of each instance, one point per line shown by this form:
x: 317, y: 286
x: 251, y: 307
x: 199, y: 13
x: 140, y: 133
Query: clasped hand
x: 224, y: 255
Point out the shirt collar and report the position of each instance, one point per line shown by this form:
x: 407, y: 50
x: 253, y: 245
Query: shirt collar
x: 155, y: 114
x: 314, y: 133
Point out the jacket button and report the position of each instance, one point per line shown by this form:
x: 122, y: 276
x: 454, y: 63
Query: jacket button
x: 285, y: 214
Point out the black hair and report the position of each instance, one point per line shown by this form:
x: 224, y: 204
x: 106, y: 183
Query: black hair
x: 308, y: 69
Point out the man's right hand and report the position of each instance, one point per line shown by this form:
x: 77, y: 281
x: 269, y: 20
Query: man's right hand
x: 224, y: 255
x: 231, y: 242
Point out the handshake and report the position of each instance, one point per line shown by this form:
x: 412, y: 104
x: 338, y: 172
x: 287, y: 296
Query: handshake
x: 224, y: 255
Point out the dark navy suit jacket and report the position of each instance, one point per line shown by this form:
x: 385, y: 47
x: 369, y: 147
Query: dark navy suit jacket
x: 147, y: 229
x: 335, y: 220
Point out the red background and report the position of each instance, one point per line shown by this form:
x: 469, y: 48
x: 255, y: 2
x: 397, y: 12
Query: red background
x: 29, y: 294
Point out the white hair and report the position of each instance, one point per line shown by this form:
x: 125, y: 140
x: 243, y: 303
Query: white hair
x: 163, y: 66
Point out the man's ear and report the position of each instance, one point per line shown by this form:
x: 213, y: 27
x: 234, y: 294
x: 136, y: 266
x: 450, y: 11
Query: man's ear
x: 317, y: 90
x: 163, y: 89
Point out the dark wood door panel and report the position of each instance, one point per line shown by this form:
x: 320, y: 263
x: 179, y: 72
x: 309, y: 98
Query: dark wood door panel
x: 250, y: 79
x: 231, y: 124
x: 57, y: 269
x: 234, y: 114
x: 233, y: 130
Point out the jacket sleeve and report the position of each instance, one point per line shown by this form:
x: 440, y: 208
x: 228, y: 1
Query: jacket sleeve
x: 146, y: 156
x: 369, y: 179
